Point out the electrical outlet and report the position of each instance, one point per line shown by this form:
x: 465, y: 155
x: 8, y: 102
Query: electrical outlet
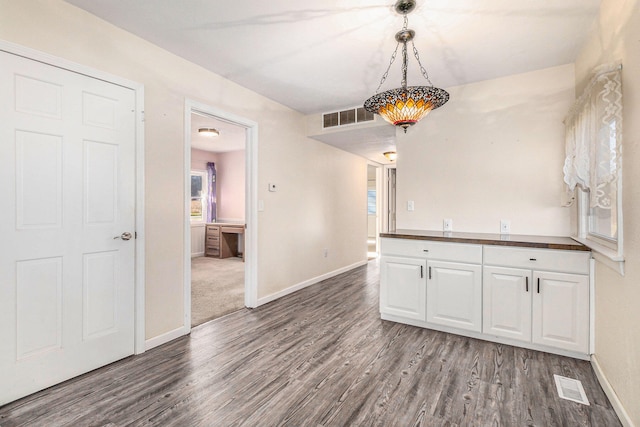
x: 410, y: 205
x: 505, y: 226
x: 447, y: 224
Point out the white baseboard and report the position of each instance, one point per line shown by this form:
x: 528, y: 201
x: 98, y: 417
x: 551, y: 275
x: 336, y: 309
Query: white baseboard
x: 611, y: 394
x: 165, y: 338
x: 197, y: 254
x: 308, y: 283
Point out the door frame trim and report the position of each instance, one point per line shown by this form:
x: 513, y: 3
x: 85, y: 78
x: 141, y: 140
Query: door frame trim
x: 251, y: 203
x: 138, y: 88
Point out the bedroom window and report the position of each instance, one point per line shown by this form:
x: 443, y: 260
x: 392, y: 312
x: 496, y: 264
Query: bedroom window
x: 593, y: 163
x: 198, y: 196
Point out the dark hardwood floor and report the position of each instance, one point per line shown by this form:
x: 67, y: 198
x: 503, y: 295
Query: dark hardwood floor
x: 321, y: 357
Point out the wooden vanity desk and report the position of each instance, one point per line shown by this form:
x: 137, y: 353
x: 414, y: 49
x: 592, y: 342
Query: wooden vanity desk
x: 222, y: 240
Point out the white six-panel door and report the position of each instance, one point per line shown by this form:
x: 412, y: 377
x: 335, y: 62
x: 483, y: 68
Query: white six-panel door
x: 67, y: 188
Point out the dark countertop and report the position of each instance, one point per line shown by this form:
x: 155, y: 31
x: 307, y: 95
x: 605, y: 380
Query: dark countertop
x: 544, y: 242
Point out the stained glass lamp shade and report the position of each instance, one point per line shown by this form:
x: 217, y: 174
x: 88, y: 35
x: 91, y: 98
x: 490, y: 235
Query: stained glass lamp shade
x: 406, y: 105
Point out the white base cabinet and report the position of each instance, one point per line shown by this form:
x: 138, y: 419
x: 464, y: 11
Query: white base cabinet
x: 546, y: 308
x: 403, y: 287
x: 561, y: 311
x: 535, y: 298
x: 432, y: 282
x: 507, y: 302
x: 454, y: 295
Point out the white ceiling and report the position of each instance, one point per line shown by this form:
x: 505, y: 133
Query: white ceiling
x: 324, y: 55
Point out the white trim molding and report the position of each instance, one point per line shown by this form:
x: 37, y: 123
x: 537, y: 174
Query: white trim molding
x: 165, y: 338
x: 309, y: 282
x: 622, y: 414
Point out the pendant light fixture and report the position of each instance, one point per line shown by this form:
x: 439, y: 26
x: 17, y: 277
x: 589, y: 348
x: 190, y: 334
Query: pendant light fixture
x: 406, y: 105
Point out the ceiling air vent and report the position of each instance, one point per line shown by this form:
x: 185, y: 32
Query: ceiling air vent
x: 346, y: 117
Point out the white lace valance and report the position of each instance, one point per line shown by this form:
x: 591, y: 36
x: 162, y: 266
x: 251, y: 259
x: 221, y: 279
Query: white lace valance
x: 593, y: 138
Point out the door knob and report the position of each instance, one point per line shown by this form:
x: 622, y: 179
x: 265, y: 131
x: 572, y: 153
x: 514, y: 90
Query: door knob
x: 124, y: 236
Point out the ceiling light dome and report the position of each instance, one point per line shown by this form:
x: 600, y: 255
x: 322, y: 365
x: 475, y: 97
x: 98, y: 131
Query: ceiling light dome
x: 209, y: 132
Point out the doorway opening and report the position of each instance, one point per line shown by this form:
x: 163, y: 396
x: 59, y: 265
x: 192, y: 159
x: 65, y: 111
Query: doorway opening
x: 217, y: 217
x: 373, y: 210
x: 220, y: 245
x: 390, y: 223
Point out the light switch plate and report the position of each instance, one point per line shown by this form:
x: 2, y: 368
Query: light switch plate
x: 505, y: 226
x: 410, y: 205
x: 447, y: 224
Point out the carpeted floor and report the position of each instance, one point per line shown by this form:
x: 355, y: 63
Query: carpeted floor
x: 217, y: 288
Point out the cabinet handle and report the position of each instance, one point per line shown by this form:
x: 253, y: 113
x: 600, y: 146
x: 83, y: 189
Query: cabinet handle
x: 527, y: 283
x: 425, y: 250
x: 429, y: 273
x: 421, y: 272
x: 532, y: 259
x: 538, y: 285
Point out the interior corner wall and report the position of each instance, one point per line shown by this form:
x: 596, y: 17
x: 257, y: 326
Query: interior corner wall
x: 316, y: 207
x: 494, y: 151
x: 200, y: 158
x: 616, y: 37
x: 320, y: 203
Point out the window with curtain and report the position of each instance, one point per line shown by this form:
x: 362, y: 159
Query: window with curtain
x: 593, y: 164
x: 198, y: 196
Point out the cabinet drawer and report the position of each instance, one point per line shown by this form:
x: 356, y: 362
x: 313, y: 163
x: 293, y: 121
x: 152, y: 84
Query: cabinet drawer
x: 236, y: 230
x: 538, y: 259
x: 443, y: 251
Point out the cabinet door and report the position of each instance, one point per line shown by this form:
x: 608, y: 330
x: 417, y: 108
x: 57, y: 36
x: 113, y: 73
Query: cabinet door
x: 403, y: 287
x: 561, y: 310
x: 507, y: 302
x: 454, y: 295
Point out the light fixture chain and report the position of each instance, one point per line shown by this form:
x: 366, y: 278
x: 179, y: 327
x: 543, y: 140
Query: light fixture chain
x: 386, y: 73
x: 422, y: 69
x: 404, y: 65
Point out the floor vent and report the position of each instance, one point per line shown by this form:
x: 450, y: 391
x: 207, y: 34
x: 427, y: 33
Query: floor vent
x: 570, y: 389
x: 346, y: 117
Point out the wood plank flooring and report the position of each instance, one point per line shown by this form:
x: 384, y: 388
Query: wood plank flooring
x: 321, y: 357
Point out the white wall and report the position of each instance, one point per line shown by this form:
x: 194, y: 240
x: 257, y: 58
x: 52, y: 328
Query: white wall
x: 200, y: 158
x: 230, y: 176
x: 494, y: 151
x: 616, y: 37
x: 230, y: 181
x: 322, y: 190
